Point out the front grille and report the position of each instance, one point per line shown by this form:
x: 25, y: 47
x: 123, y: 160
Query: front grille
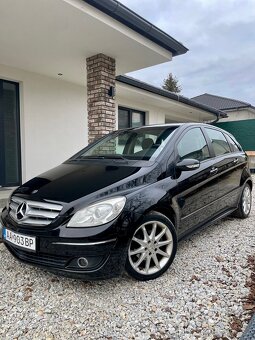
x: 32, y: 212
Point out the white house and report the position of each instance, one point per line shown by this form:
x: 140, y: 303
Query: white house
x: 63, y: 83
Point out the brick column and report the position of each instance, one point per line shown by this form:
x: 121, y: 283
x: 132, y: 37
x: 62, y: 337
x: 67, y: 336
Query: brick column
x: 101, y: 107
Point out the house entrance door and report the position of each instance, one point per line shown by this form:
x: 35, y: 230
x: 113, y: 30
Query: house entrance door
x: 10, y: 164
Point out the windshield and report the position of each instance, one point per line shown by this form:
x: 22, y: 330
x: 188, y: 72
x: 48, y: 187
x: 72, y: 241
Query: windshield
x: 137, y: 144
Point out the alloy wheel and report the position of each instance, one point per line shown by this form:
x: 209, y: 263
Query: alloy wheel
x: 246, y: 200
x: 150, y: 248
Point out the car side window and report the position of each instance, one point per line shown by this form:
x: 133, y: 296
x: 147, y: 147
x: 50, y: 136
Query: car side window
x: 235, y: 147
x: 193, y: 145
x: 219, y: 142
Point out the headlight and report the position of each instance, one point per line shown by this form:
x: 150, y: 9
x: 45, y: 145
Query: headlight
x: 98, y: 213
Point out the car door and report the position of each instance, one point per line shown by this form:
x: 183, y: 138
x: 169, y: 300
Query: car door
x: 229, y: 164
x: 197, y: 188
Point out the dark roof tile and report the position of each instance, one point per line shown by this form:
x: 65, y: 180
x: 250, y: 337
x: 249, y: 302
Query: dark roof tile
x: 220, y: 103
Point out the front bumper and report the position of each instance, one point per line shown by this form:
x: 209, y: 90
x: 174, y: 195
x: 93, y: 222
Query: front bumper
x: 105, y: 252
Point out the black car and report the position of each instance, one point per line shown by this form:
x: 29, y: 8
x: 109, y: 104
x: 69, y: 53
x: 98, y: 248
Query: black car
x: 125, y: 201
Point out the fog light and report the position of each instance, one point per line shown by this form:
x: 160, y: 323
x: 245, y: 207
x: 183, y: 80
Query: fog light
x: 82, y: 262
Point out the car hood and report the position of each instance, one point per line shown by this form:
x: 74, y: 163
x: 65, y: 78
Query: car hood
x: 71, y: 181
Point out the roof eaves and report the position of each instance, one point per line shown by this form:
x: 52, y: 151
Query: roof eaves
x: 170, y: 95
x: 134, y: 21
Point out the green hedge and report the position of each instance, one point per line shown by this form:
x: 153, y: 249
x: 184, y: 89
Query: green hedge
x: 243, y: 130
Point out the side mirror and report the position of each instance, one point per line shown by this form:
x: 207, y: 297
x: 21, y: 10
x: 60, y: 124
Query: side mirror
x: 188, y: 164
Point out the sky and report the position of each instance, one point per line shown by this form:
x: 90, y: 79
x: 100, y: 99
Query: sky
x: 220, y: 36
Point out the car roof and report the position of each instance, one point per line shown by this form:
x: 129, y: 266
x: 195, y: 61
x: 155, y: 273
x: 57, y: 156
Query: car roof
x: 176, y: 125
x: 164, y: 126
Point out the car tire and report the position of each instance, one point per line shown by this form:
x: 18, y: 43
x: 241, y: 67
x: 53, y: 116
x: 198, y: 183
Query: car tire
x: 244, y: 205
x: 152, y: 247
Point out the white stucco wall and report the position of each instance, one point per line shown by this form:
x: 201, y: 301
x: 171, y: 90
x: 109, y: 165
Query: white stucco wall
x: 53, y: 120
x: 241, y: 114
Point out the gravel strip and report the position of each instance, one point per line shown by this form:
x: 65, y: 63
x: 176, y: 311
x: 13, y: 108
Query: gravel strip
x: 198, y: 298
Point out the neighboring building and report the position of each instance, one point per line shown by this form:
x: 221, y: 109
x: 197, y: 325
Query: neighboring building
x: 240, y: 121
x: 58, y: 66
x: 235, y: 109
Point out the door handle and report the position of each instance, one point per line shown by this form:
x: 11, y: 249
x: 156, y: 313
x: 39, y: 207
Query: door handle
x: 213, y: 171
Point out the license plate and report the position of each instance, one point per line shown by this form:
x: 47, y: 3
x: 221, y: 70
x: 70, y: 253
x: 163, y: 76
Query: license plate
x: 23, y: 241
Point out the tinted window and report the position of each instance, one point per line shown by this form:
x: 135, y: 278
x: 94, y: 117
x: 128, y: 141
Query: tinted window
x: 219, y: 143
x: 130, y: 118
x: 137, y: 119
x: 9, y: 134
x: 193, y: 145
x: 234, y: 146
x: 123, y: 119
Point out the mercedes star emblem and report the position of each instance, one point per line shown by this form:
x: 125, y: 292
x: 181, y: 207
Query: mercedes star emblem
x: 21, y: 211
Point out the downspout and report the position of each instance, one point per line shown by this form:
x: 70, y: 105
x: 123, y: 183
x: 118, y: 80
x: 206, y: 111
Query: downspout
x: 217, y: 119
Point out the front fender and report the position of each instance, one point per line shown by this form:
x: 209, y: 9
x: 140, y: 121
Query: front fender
x: 157, y: 196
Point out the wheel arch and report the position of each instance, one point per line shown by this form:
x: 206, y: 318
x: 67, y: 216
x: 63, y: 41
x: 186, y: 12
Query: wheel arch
x: 250, y: 183
x: 167, y: 211
x: 246, y: 178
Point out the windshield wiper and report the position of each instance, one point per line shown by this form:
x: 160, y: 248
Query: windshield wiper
x: 102, y: 157
x: 114, y: 157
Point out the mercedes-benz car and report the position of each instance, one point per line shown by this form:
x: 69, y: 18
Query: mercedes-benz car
x: 124, y: 202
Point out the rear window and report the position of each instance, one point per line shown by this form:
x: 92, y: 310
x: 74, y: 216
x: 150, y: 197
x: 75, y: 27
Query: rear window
x: 234, y: 145
x: 219, y: 142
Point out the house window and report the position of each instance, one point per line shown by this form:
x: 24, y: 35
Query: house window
x: 130, y: 118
